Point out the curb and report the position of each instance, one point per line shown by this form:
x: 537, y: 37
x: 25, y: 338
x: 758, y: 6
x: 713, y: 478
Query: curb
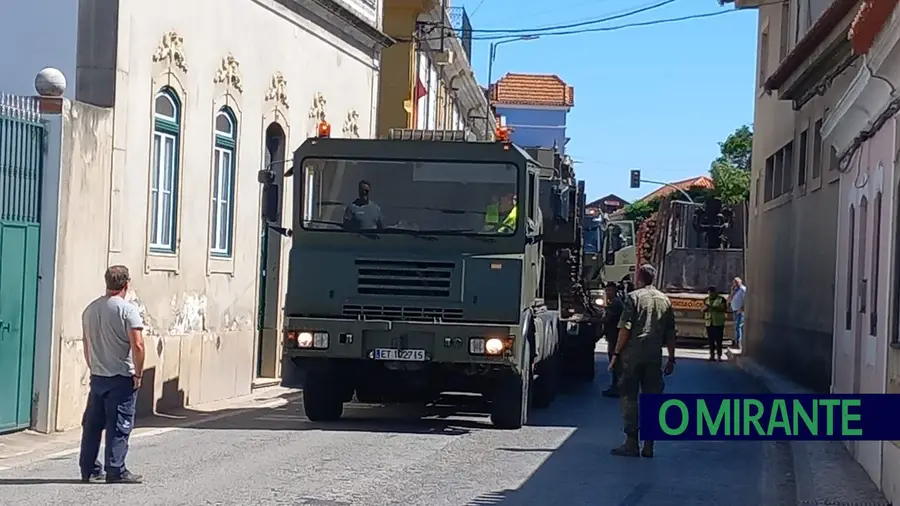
x: 824, y: 472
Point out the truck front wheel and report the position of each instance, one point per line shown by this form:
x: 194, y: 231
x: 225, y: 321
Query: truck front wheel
x: 511, y: 396
x: 322, y: 399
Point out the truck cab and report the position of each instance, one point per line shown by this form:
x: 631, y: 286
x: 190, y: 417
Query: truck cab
x: 402, y: 284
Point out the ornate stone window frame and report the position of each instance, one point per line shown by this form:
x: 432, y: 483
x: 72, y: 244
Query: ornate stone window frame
x: 228, y: 94
x: 169, y: 70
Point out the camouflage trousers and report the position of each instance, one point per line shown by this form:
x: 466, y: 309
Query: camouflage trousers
x: 636, y: 377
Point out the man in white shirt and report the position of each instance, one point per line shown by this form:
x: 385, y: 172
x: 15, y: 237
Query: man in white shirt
x: 738, y: 294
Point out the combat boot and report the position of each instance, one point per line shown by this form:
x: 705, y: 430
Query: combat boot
x: 631, y: 447
x: 647, y: 451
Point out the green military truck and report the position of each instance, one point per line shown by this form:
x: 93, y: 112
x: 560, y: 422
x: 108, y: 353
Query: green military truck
x: 566, y: 289
x: 405, y: 292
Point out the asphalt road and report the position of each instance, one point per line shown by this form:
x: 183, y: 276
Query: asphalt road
x: 396, y: 457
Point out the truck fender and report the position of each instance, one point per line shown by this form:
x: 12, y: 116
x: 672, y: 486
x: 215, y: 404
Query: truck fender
x: 528, y: 331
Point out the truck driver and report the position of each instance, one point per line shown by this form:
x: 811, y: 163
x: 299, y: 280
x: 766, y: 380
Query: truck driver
x: 508, y: 206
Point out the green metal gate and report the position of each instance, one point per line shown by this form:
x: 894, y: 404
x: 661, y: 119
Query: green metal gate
x: 21, y: 167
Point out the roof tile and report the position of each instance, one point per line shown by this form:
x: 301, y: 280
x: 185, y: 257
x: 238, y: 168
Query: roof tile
x: 683, y: 185
x: 532, y: 89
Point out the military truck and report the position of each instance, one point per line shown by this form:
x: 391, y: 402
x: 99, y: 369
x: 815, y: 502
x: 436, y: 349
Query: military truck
x: 431, y: 300
x: 609, y: 252
x: 565, y: 288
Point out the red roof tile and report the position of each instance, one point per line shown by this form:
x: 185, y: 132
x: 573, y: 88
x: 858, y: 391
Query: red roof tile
x: 532, y: 89
x: 684, y: 185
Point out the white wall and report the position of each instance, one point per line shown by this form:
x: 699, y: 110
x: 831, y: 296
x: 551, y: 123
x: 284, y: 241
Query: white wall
x: 202, y: 310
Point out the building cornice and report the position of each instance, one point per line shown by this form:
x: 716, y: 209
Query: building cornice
x: 341, y: 19
x: 870, y: 93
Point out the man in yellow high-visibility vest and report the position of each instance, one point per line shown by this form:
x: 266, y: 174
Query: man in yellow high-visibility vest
x: 492, y: 221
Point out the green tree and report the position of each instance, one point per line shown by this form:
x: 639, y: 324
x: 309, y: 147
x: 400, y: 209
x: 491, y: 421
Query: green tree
x: 737, y: 148
x: 730, y: 172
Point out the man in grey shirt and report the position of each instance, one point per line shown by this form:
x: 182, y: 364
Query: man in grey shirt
x: 114, y: 350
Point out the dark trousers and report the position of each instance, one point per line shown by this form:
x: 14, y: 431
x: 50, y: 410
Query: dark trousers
x: 715, y: 334
x: 110, y: 407
x: 610, y: 349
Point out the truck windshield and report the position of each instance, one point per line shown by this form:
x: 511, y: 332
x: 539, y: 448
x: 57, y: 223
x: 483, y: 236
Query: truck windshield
x: 620, y: 236
x: 593, y: 236
x: 402, y: 196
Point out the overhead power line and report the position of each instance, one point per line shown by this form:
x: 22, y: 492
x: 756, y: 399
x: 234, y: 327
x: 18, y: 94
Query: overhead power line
x: 555, y: 31
x: 577, y: 24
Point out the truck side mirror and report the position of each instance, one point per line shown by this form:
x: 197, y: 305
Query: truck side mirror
x: 561, y: 205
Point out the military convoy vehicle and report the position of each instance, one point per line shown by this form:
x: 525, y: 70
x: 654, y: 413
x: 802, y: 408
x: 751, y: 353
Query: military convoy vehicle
x: 404, y: 292
x: 565, y: 287
x: 609, y: 253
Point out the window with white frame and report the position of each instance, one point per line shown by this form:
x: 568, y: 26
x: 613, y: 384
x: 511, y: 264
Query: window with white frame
x: 164, y: 171
x: 221, y: 223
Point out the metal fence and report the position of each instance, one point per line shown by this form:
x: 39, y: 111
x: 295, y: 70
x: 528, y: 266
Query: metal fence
x: 459, y: 21
x: 21, y: 158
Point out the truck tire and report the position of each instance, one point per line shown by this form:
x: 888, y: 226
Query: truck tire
x: 546, y: 383
x: 322, y: 400
x: 509, y: 405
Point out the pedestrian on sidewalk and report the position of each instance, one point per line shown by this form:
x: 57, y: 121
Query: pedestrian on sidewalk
x: 647, y: 323
x: 611, y: 315
x: 738, y: 294
x: 715, y: 307
x: 114, y: 350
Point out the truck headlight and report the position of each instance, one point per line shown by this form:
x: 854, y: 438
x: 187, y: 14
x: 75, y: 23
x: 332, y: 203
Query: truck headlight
x: 305, y: 339
x: 494, y: 346
x: 599, y: 302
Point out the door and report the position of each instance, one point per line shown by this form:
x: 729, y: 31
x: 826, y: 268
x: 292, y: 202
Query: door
x: 18, y: 303
x: 21, y: 165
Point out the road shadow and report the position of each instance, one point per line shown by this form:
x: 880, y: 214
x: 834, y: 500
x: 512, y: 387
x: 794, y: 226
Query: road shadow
x: 582, y: 471
x: 452, y: 415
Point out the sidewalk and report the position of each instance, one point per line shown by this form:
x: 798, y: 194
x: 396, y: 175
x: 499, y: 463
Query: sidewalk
x: 21, y: 448
x: 825, y: 472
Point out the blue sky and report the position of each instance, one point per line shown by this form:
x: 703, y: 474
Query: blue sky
x: 658, y: 98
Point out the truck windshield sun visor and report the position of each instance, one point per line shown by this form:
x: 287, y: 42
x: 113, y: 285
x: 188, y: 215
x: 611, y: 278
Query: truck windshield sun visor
x: 410, y: 197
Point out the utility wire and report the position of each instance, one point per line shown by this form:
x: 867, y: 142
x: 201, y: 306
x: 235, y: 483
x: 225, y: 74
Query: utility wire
x: 537, y: 30
x: 613, y: 28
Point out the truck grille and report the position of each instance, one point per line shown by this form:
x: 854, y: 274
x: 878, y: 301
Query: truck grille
x: 405, y: 278
x: 404, y: 313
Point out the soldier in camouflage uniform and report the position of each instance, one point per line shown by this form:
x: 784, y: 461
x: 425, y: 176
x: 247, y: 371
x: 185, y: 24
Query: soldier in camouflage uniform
x: 647, y: 323
x: 610, y: 329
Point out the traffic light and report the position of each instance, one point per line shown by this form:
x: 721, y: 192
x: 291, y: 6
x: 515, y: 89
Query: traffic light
x: 635, y: 178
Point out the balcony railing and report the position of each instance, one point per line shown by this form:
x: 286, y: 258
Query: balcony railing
x: 459, y: 21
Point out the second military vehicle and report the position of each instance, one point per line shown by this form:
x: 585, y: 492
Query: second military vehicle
x: 415, y: 269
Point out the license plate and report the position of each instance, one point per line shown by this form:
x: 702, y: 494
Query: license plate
x: 400, y: 355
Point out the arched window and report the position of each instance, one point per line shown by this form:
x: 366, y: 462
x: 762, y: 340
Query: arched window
x: 164, y: 171
x: 223, y: 178
x: 876, y: 271
x: 848, y: 315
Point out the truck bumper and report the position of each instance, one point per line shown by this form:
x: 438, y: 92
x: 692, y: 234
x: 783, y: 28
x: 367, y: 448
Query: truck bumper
x: 417, y: 342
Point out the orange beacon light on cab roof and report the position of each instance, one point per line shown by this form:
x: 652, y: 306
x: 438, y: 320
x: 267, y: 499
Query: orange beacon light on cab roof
x: 502, y: 134
x: 324, y: 129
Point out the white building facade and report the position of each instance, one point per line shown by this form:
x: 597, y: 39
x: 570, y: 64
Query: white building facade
x: 203, y: 95
x: 863, y: 130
